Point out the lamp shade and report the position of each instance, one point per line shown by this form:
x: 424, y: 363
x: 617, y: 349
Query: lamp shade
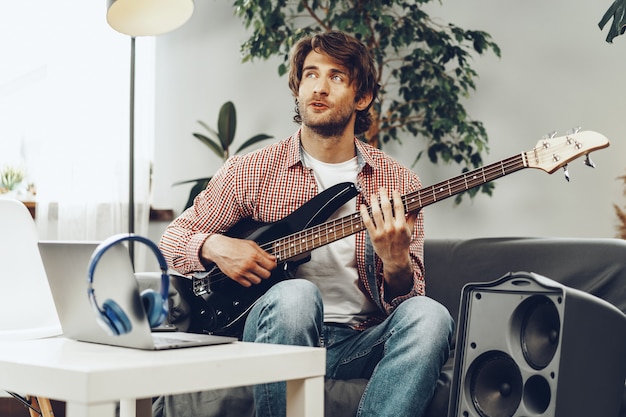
x: 148, y: 17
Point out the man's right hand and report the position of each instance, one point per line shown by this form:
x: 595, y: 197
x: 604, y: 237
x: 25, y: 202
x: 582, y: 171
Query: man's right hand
x: 239, y: 259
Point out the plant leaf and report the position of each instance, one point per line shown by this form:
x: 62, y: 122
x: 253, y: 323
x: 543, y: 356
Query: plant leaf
x: 209, y: 128
x: 253, y: 140
x: 618, y: 27
x: 211, y: 144
x: 195, y: 190
x: 194, y: 180
x: 227, y: 124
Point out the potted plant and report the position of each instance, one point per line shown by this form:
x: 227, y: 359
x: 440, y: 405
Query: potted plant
x: 10, y: 178
x: 424, y: 67
x: 220, y: 142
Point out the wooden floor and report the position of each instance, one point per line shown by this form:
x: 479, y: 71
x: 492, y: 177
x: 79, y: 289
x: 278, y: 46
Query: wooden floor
x: 10, y: 407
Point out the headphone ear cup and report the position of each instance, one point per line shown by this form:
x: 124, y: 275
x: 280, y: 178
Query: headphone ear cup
x: 114, y: 318
x: 153, y: 305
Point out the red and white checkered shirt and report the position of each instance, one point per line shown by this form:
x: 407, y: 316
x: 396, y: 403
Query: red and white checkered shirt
x: 269, y: 184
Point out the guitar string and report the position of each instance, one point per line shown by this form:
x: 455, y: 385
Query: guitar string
x: 292, y: 245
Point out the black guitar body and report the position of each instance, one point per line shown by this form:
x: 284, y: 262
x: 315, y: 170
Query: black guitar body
x: 221, y: 306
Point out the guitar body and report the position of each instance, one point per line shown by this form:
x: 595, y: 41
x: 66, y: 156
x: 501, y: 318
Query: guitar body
x: 221, y: 305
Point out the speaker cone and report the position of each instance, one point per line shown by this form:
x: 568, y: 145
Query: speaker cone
x: 541, y: 327
x: 495, y: 385
x: 537, y: 394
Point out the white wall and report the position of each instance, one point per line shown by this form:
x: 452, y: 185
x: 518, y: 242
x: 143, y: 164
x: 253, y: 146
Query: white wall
x: 556, y: 72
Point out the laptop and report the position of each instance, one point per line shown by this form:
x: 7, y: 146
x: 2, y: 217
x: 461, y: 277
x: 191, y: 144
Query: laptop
x: 66, y: 264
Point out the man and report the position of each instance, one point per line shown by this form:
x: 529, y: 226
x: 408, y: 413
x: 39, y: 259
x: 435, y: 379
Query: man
x: 361, y: 297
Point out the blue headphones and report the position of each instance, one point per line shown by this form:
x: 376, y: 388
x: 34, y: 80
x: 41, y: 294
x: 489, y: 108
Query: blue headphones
x: 111, y: 316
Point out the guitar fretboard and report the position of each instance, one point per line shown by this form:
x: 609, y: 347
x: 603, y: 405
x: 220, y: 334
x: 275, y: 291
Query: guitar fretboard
x: 306, y: 240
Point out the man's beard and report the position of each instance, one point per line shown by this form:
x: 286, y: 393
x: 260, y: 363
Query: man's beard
x: 331, y: 127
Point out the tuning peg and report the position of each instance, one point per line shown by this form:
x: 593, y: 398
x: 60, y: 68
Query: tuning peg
x: 589, y: 162
x: 566, y: 172
x: 574, y: 130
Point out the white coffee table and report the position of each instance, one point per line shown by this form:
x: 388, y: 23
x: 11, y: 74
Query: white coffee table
x: 92, y: 378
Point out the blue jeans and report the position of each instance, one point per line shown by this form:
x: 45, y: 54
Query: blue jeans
x: 402, y: 357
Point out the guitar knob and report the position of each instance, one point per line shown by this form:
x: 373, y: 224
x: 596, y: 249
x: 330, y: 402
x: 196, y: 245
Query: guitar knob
x: 589, y: 162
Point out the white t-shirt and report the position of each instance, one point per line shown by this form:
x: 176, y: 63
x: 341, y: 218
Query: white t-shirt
x: 333, y: 266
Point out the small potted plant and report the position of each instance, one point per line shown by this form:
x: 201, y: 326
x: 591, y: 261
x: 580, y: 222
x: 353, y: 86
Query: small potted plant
x: 10, y: 179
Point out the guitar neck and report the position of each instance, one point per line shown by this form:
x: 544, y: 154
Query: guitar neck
x: 429, y: 195
x: 306, y: 240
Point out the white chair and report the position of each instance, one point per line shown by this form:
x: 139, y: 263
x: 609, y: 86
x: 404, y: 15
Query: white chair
x: 27, y: 309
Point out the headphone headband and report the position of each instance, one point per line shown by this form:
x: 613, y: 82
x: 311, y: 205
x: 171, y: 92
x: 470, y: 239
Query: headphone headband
x: 155, y: 305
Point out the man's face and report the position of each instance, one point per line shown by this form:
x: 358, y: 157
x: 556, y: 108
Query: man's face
x: 326, y: 97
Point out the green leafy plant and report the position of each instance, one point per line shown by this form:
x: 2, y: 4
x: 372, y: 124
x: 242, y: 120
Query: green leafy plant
x: 220, y: 142
x: 424, y: 67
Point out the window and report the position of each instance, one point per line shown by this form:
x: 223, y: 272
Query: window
x: 64, y: 115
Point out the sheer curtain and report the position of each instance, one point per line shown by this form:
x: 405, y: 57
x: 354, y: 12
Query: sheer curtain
x: 64, y: 115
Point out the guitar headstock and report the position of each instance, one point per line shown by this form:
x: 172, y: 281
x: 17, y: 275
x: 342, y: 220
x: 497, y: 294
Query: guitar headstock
x: 556, y: 152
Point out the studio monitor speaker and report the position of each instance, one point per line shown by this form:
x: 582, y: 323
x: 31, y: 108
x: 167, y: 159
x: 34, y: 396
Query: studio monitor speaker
x: 529, y: 346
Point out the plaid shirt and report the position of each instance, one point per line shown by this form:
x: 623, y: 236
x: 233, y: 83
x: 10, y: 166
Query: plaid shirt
x: 269, y: 184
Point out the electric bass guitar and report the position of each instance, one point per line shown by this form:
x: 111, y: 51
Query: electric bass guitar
x: 219, y: 305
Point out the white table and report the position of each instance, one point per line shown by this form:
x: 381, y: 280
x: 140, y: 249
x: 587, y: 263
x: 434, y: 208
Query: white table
x: 92, y: 378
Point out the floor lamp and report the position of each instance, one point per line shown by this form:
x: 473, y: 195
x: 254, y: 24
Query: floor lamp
x: 142, y: 18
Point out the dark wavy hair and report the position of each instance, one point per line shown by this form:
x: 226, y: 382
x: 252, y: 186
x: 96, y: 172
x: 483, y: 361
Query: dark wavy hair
x: 349, y: 52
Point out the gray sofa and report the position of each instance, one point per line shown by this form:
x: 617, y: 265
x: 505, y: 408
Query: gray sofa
x: 595, y: 266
